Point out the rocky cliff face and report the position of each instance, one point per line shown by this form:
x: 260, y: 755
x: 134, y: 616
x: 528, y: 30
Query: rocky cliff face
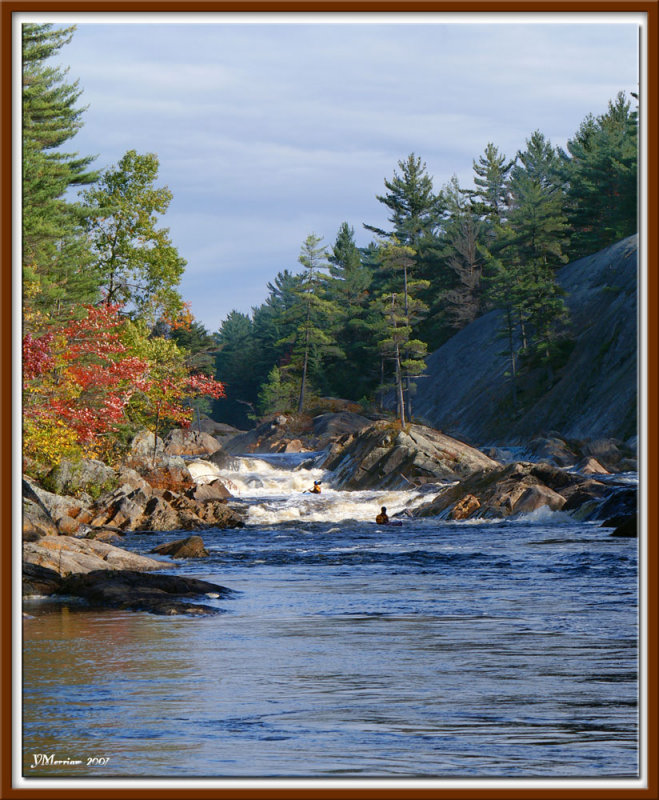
x: 594, y: 395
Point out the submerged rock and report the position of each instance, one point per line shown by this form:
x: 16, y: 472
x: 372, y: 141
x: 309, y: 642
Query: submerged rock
x: 137, y: 591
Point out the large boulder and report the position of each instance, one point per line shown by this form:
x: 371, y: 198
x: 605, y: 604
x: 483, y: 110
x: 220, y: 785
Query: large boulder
x: 182, y: 442
x: 516, y: 488
x: 85, y: 475
x: 207, y: 492
x: 174, y: 477
x: 159, y: 516
x: 192, y: 547
x: 66, y: 555
x: 37, y: 519
x: 123, y: 509
x: 384, y: 456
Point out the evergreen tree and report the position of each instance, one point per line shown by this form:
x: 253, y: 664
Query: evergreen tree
x: 136, y: 261
x: 313, y: 316
x: 235, y: 358
x: 491, y: 179
x: 272, y: 325
x: 412, y: 202
x: 351, y: 373
x: 398, y: 347
x: 601, y: 172
x: 55, y: 255
x: 529, y: 246
x: 404, y: 314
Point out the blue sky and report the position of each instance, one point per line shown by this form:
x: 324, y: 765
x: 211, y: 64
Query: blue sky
x: 269, y: 131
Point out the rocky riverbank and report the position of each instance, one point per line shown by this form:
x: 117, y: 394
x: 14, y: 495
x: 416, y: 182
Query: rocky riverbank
x: 75, y: 520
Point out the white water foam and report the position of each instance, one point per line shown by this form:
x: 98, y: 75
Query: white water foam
x: 278, y: 490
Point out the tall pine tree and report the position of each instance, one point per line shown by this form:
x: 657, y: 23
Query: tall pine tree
x: 55, y: 255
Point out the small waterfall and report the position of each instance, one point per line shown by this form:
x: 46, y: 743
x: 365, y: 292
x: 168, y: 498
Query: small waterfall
x: 275, y: 488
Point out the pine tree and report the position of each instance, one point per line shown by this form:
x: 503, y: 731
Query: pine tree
x: 601, y: 172
x: 529, y: 246
x: 490, y: 178
x: 236, y: 359
x: 351, y: 373
x: 55, y: 255
x: 407, y: 310
x: 412, y: 202
x: 314, y: 316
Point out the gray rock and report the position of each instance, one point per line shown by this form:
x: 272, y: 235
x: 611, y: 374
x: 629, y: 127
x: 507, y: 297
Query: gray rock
x: 67, y: 555
x: 516, y: 488
x: 85, y: 475
x: 383, y: 456
x: 185, y: 442
x: 467, y: 393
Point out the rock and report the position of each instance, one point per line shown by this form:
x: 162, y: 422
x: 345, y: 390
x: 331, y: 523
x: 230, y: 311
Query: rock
x: 608, y: 452
x: 37, y: 520
x: 534, y: 497
x: 628, y: 528
x: 591, y: 466
x: 385, y: 457
x: 66, y: 555
x: 170, y: 476
x: 206, y: 492
x: 219, y: 430
x: 465, y: 508
x: 159, y: 516
x: 514, y: 488
x: 109, y: 535
x: 84, y: 475
x: 192, y: 547
x: 221, y: 459
x: 157, y: 594
x: 294, y: 446
x: 466, y: 393
x: 552, y: 449
x: 67, y: 513
x: 329, y: 427
x: 38, y: 580
x: 621, y: 502
x: 181, y: 442
x: 217, y: 514
x: 144, y: 444
x: 131, y: 478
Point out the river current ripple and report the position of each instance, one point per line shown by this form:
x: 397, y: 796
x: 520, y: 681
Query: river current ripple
x: 352, y: 650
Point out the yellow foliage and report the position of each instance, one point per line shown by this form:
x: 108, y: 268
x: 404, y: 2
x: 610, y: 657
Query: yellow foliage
x: 48, y: 441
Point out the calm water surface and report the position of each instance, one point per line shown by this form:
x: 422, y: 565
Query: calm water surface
x: 433, y: 650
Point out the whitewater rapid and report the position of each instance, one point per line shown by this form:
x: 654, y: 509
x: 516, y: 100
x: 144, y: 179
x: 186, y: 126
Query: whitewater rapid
x: 275, y: 489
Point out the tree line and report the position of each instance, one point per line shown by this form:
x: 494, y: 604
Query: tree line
x: 109, y: 346
x: 357, y: 322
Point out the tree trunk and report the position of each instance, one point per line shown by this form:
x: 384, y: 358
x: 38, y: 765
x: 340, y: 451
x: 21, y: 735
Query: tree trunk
x: 399, y: 389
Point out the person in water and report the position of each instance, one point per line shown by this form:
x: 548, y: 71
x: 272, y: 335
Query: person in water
x: 382, y: 518
x: 316, y: 488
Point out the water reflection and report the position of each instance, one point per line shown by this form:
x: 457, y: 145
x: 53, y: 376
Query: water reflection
x: 499, y: 657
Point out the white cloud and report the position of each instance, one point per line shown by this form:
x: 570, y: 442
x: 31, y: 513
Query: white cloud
x: 267, y: 132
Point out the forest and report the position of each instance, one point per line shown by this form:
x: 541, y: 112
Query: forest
x: 110, y: 346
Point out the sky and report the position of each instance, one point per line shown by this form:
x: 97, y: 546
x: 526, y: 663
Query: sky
x: 272, y: 129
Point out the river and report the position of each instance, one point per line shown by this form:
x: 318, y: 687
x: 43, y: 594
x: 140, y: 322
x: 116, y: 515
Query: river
x: 433, y: 649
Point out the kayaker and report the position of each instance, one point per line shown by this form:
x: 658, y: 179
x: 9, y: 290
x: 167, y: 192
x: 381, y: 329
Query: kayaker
x: 382, y: 518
